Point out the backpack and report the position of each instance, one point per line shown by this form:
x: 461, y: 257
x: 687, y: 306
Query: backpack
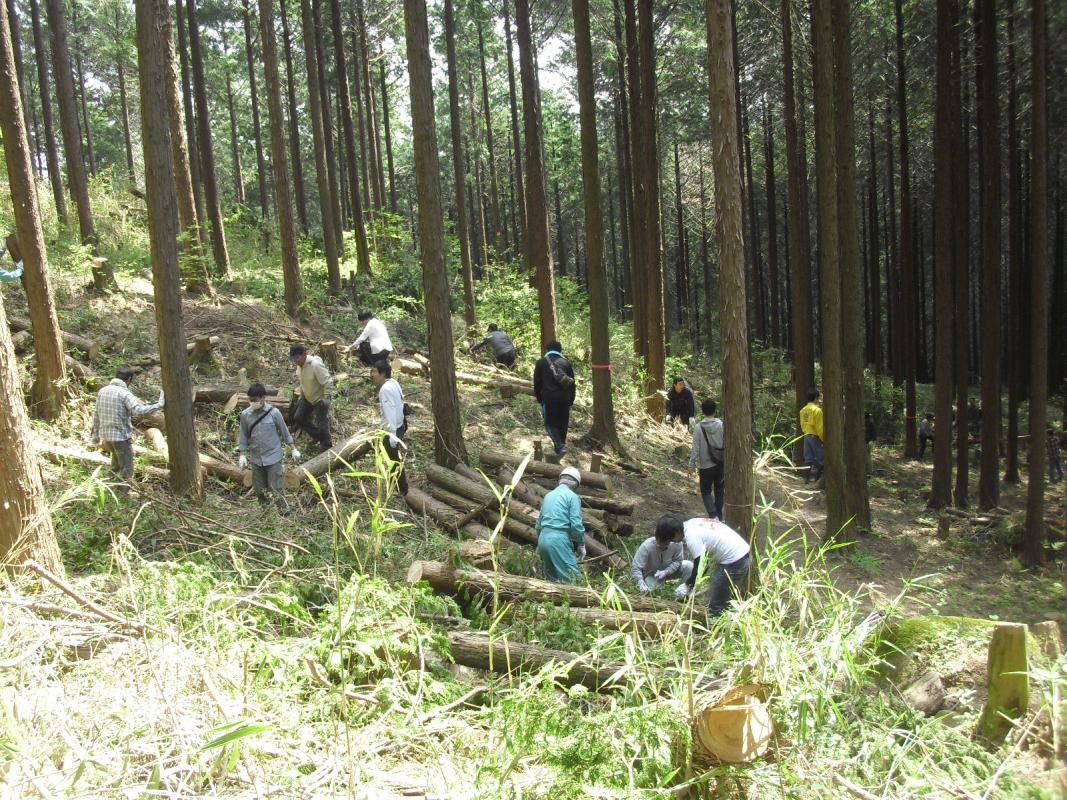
x: 558, y: 368
x: 717, y: 453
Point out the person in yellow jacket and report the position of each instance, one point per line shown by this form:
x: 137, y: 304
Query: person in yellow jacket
x: 811, y: 427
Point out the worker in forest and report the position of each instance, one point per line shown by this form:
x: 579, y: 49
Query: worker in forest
x: 681, y: 404
x: 10, y: 246
x: 659, y: 559
x: 262, y: 435
x: 717, y: 550
x: 1052, y: 452
x: 974, y: 418
x: 373, y: 344
x: 926, y: 433
x: 811, y: 427
x: 553, y: 381
x: 394, y: 417
x: 500, y: 345
x: 707, y: 457
x: 116, y: 407
x: 312, y: 412
x: 560, y: 530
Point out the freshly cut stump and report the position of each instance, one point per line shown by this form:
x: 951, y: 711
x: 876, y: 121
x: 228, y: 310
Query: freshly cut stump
x: 734, y: 729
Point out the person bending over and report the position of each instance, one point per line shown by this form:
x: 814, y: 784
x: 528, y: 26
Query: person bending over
x: 657, y: 560
x: 560, y: 530
x: 116, y: 407
x: 374, y: 344
x: 717, y: 550
x: 312, y: 412
x: 500, y: 345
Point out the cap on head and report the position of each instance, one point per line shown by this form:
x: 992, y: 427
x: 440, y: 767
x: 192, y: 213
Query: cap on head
x: 929, y: 415
x: 572, y: 475
x: 364, y: 315
x: 257, y: 390
x: 296, y: 350
x: 124, y: 374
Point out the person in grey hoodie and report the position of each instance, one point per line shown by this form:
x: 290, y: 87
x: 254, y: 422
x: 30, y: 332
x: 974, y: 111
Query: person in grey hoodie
x: 707, y: 457
x: 500, y: 343
x: 658, y: 560
x: 263, y: 431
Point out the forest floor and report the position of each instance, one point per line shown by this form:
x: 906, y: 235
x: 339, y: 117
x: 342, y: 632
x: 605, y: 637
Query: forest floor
x: 970, y: 572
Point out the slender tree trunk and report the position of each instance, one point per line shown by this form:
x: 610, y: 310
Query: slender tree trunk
x: 1016, y: 315
x: 876, y: 264
x: 49, y: 385
x: 705, y: 261
x: 561, y: 233
x: 190, y: 125
x: 257, y: 132
x: 337, y: 227
x: 235, y: 146
x: 755, y: 279
x: 680, y: 274
x: 536, y: 236
x: 283, y: 199
x: 495, y: 232
x: 909, y: 295
x: 55, y: 176
x: 1033, y: 540
x: 733, y: 320
x: 516, y: 140
x: 373, y: 158
x: 388, y: 134
x: 294, y: 122
x: 153, y: 50
x: 639, y: 155
x: 16, y: 49
x: 894, y: 312
x: 90, y: 149
x: 103, y: 276
x: 207, y: 155
x: 358, y: 100
x: 449, y: 447
x: 961, y: 257
x: 459, y: 168
x: 772, y: 230
x: 127, y: 140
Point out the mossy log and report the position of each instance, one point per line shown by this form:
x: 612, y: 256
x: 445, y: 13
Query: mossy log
x: 90, y: 347
x: 495, y: 458
x: 1008, y: 680
x: 644, y: 623
x: 355, y: 446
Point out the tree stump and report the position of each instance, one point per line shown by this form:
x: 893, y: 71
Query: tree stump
x: 538, y: 450
x: 596, y: 461
x: 328, y: 349
x: 1008, y: 680
x: 202, y: 349
x: 927, y: 694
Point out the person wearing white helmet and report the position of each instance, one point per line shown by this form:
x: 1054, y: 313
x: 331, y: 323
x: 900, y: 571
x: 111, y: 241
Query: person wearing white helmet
x: 560, y: 530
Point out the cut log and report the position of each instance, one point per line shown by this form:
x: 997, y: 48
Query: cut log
x: 1050, y: 638
x: 210, y: 465
x: 495, y: 382
x: 57, y: 454
x: 89, y: 347
x: 201, y: 349
x: 507, y: 657
x: 447, y: 516
x: 476, y: 583
x: 410, y: 367
x: 463, y: 506
x: 478, y: 552
x: 479, y: 492
x: 156, y: 440
x: 644, y: 623
x: 417, y: 356
x: 927, y: 694
x: 734, y: 729
x: 153, y: 420
x: 539, y: 452
x: 328, y: 349
x: 592, y: 498
x: 1008, y: 680
x: 355, y: 446
x: 532, y: 494
x: 21, y: 341
x: 494, y: 458
x: 221, y: 394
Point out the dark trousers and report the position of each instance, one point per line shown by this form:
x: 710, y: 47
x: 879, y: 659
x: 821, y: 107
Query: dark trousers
x: 121, y: 463
x: 922, y: 445
x: 394, y: 455
x: 314, y: 420
x: 369, y: 358
x: 681, y: 416
x: 727, y: 581
x: 557, y: 418
x: 505, y: 359
x: 713, y: 480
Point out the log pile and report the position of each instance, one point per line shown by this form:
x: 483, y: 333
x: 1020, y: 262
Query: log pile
x: 88, y: 347
x: 234, y: 397
x: 355, y: 446
x: 493, y: 459
x: 508, y: 385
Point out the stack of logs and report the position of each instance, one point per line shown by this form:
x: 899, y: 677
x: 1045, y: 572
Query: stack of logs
x: 469, y: 504
x: 507, y: 383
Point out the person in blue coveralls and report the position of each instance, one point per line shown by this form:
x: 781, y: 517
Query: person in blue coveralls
x: 560, y: 530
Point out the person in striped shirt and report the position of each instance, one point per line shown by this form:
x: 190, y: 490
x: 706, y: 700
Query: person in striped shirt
x: 116, y: 407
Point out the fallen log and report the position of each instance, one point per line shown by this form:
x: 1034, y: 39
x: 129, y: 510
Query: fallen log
x: 57, y: 454
x: 493, y: 382
x: 355, y: 446
x: 479, y: 492
x: 461, y: 505
x: 494, y: 458
x: 91, y: 380
x: 644, y: 623
x: 90, y: 347
x: 156, y: 440
x: 447, y: 516
x: 499, y: 654
x: 210, y: 465
x: 591, y: 498
x: 478, y: 583
x: 532, y: 495
x: 410, y: 367
x: 222, y: 394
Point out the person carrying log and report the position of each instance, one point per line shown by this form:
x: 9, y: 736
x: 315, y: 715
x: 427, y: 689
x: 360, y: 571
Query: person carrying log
x: 116, y: 406
x: 262, y: 435
x: 374, y: 344
x: 500, y: 344
x: 681, y: 404
x: 312, y: 411
x: 394, y: 418
x: 811, y: 427
x: 657, y: 560
x: 553, y: 381
x: 560, y: 530
x: 717, y: 550
x: 707, y: 457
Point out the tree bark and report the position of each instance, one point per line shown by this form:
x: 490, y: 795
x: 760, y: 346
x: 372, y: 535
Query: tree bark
x: 124, y: 108
x: 49, y: 386
x: 962, y: 278
x: 459, y: 167
x: 495, y: 233
x: 1017, y: 305
x: 190, y: 129
x: 203, y: 141
x: 772, y: 229
x: 733, y: 320
x: 351, y: 449
x: 1033, y: 540
x: 153, y: 50
x: 55, y: 175
x: 235, y: 145
x: 516, y: 139
x: 388, y: 135
x: 495, y: 458
x: 449, y: 446
x: 373, y: 160
x: 257, y: 131
x: 325, y: 107
x: 294, y: 123
x: 16, y: 49
x: 87, y: 128
x: 450, y: 518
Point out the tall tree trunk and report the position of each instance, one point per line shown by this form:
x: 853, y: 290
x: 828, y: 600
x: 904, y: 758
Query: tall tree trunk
x: 909, y: 295
x: 190, y: 124
x: 561, y: 232
x: 357, y: 113
x: 203, y: 140
x: 536, y: 236
x: 103, y: 276
x: 961, y: 257
x: 153, y: 50
x: 1033, y: 540
x: 294, y: 122
x: 49, y: 385
x: 705, y: 261
x: 235, y: 146
x: 16, y: 50
x: 495, y: 232
x: 120, y: 70
x: 876, y: 264
x: 516, y: 140
x: 373, y: 158
x: 682, y: 302
x: 327, y: 138
x: 283, y: 199
x: 90, y: 149
x: 459, y: 168
x: 257, y: 131
x: 733, y: 320
x: 894, y: 312
x: 989, y: 223
x: 55, y: 176
x: 449, y: 447
x: 772, y: 230
x: 622, y: 158
x: 1016, y: 314
x: 388, y: 134
x: 639, y: 154
x: 755, y: 275
x: 322, y: 167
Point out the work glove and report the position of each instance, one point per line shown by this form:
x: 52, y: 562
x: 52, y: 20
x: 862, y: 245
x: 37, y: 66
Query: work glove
x: 661, y: 575
x: 396, y: 442
x: 643, y: 587
x: 159, y: 402
x: 681, y: 592
x: 295, y: 454
x: 242, y: 462
x: 579, y: 551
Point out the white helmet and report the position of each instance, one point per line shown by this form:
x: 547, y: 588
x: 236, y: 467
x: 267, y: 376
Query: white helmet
x: 571, y: 473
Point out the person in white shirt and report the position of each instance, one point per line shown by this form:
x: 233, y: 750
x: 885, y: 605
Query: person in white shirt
x: 394, y: 418
x: 374, y: 344
x: 657, y: 561
x: 717, y: 550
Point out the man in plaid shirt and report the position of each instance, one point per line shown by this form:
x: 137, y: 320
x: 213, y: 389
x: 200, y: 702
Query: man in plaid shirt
x: 116, y: 406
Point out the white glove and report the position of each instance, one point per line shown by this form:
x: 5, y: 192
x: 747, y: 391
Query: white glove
x: 661, y: 575
x: 580, y: 551
x: 159, y: 402
x: 682, y: 591
x: 295, y: 454
x: 396, y: 442
x: 242, y: 462
x: 643, y: 587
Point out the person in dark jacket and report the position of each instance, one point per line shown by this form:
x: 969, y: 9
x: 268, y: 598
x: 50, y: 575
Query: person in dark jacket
x: 500, y: 344
x: 680, y: 401
x: 553, y: 381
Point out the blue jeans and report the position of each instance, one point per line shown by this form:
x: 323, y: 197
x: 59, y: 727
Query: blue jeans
x: 728, y: 580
